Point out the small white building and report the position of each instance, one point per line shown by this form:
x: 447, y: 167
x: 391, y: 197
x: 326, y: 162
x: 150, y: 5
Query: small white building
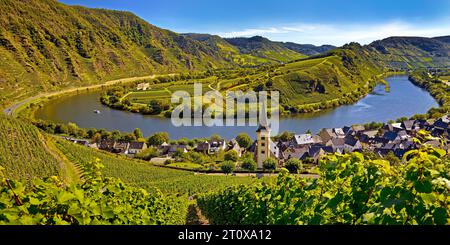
x: 143, y: 86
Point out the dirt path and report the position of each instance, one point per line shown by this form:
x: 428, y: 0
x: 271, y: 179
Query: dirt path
x: 11, y: 109
x: 195, y: 216
x: 70, y: 171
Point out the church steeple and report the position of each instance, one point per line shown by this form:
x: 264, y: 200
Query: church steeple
x: 262, y: 144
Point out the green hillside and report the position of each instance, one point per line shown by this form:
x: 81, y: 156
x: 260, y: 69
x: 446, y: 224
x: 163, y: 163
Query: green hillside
x: 411, y: 52
x: 307, y: 49
x: 264, y: 48
x: 231, y: 53
x: 24, y: 152
x: 46, y: 45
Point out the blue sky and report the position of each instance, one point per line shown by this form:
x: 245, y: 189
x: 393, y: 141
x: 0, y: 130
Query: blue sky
x: 318, y: 22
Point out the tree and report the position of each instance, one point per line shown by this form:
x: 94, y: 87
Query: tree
x: 244, y: 140
x: 215, y: 137
x: 97, y: 137
x: 270, y: 164
x: 231, y: 156
x: 179, y: 154
x: 248, y: 164
x: 116, y: 135
x: 72, y: 129
x: 158, y: 138
x: 228, y: 167
x: 61, y: 129
x: 293, y: 165
x: 147, y: 154
x: 286, y: 136
x: 128, y: 137
x: 138, y: 133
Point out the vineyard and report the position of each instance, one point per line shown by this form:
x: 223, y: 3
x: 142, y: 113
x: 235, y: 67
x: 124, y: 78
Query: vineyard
x: 352, y: 189
x: 98, y: 200
x: 147, y: 176
x: 23, y: 151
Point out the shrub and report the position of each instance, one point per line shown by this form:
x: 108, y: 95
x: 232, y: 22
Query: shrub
x: 293, y: 165
x: 248, y: 164
x: 270, y: 164
x: 228, y: 167
x: 231, y: 156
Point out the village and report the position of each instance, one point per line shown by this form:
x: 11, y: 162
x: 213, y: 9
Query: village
x: 393, y: 139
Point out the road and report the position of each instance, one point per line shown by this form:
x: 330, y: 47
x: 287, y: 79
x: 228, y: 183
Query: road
x: 10, y: 110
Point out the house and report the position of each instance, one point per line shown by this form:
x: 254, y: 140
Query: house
x: 347, y: 130
x: 390, y: 136
x: 143, y: 86
x: 339, y: 132
x: 393, y: 127
x: 233, y: 145
x: 317, y: 151
x: 408, y: 125
x: 169, y: 150
x: 441, y: 124
x: 358, y: 128
x: 351, y: 144
x: 216, y: 146
x: 107, y: 145
x: 274, y: 150
x: 402, y: 135
x: 326, y: 134
x: 366, y: 136
x: 121, y: 147
x: 296, y: 153
x: 337, y: 144
x: 306, y: 139
x: 203, y: 147
x: 136, y: 147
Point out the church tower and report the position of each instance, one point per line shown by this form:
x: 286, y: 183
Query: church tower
x: 262, y: 145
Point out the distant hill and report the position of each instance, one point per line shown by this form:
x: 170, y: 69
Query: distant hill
x: 411, y: 52
x: 445, y: 39
x: 264, y: 48
x: 233, y: 53
x: 307, y: 49
x: 46, y: 45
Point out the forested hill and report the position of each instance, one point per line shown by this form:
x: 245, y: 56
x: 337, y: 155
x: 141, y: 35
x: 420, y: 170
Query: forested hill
x: 264, y: 48
x: 411, y: 52
x: 45, y: 45
x: 307, y: 49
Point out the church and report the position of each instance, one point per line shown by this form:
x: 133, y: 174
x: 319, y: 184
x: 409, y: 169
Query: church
x: 264, y: 147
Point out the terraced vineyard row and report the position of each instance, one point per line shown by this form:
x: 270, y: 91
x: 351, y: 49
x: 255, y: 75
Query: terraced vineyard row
x: 147, y: 176
x: 23, y: 152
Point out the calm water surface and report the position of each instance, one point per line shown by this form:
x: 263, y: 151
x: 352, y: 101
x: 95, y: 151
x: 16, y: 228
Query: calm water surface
x: 404, y: 99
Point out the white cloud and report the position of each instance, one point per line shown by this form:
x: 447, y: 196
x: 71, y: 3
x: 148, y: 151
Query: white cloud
x: 252, y: 32
x: 343, y: 33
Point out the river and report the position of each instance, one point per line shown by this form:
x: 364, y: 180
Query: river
x: 403, y: 99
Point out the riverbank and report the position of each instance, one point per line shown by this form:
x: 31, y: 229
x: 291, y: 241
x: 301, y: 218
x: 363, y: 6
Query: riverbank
x: 17, y: 108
